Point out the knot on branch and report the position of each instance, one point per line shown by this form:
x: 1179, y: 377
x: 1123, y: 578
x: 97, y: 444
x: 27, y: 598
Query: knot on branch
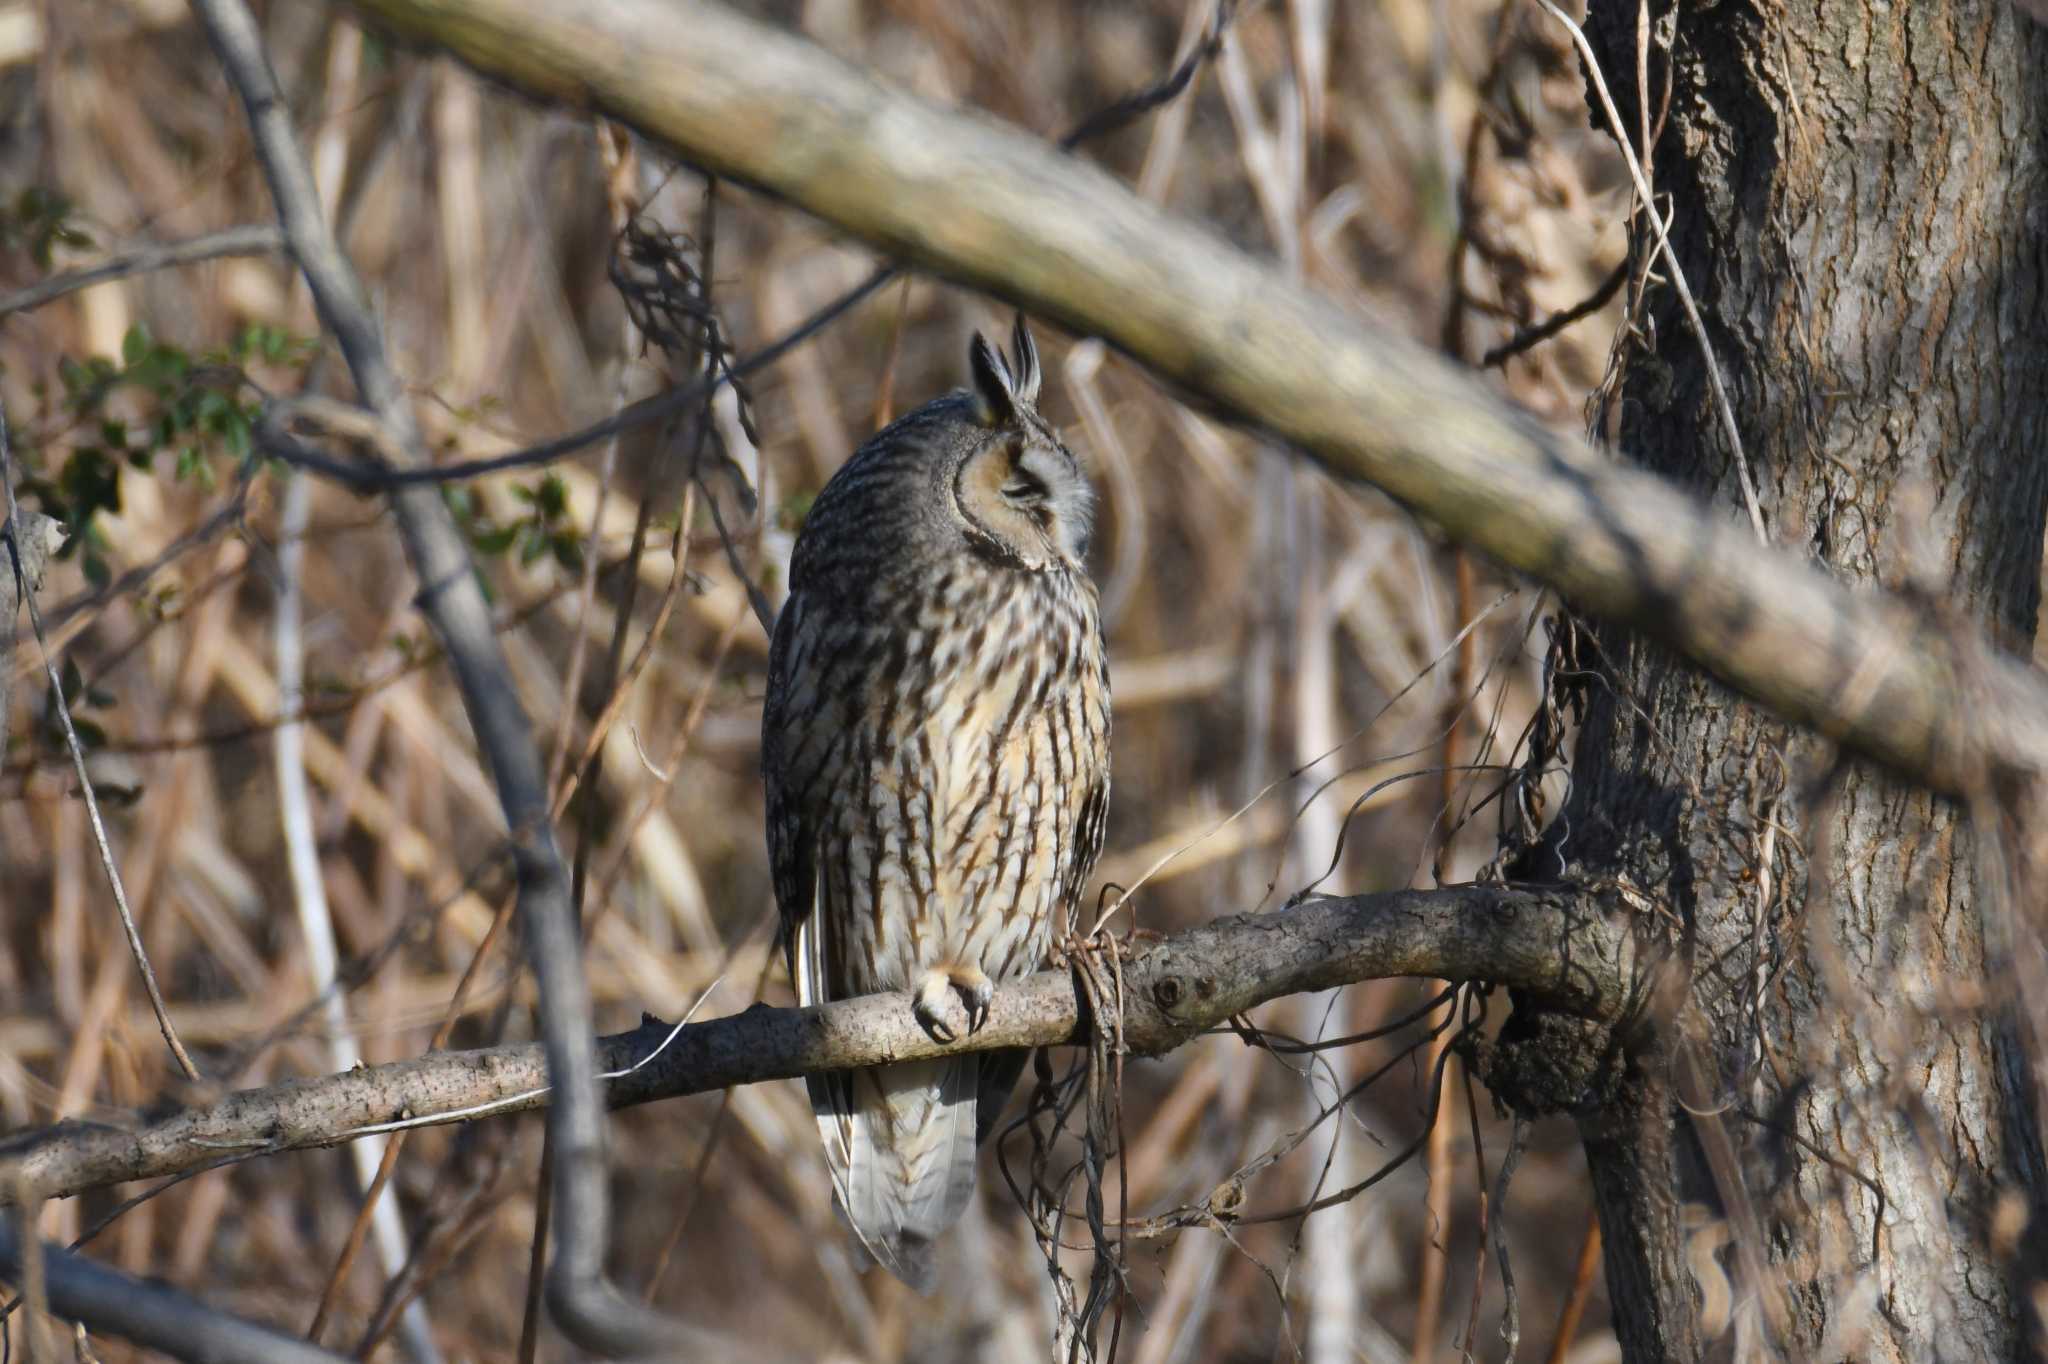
x: 1545, y: 1062
x: 1172, y: 993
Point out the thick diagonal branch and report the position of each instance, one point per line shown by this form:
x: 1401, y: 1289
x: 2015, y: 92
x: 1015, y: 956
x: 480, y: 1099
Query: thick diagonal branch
x: 1002, y: 211
x: 1554, y: 944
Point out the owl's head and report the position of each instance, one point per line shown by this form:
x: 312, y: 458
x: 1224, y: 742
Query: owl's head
x: 1021, y: 495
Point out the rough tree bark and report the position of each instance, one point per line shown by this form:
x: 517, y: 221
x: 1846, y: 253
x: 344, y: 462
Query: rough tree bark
x: 1857, y: 197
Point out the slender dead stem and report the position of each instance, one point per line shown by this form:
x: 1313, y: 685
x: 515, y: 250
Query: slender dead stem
x: 77, y: 750
x: 255, y: 239
x: 374, y: 1156
x: 1722, y: 407
x: 1583, y: 1278
x: 622, y: 685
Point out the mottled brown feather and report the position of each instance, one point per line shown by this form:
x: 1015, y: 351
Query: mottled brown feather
x: 935, y: 746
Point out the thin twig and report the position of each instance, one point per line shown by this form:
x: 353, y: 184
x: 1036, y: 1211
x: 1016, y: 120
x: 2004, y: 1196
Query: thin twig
x: 1133, y: 107
x: 1692, y: 312
x: 92, y: 804
x: 694, y: 1189
x: 529, y: 1316
x: 623, y: 681
x: 1537, y: 333
x: 885, y: 390
x: 35, y: 1342
x: 652, y: 799
x: 1583, y: 1278
x: 353, y: 1242
x: 256, y: 239
x: 428, y: 656
x: 614, y: 150
x: 371, y: 478
x: 226, y: 516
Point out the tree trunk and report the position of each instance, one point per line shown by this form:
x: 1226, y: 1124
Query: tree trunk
x: 1832, y: 1115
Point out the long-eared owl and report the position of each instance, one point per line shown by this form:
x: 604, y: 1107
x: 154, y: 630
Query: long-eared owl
x: 936, y: 752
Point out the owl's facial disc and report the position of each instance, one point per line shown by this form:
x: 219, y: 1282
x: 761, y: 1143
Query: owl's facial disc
x: 1047, y: 484
x: 1026, y: 501
x: 1022, y: 494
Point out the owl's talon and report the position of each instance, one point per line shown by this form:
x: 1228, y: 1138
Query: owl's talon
x: 977, y: 995
x: 929, y: 1008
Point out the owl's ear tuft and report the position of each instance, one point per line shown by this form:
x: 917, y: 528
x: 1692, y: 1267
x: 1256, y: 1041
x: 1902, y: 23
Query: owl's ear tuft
x: 1024, y: 365
x: 995, y: 390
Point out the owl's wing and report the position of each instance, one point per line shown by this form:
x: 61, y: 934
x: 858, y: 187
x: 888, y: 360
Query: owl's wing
x: 795, y: 876
x: 1089, y: 827
x: 786, y: 718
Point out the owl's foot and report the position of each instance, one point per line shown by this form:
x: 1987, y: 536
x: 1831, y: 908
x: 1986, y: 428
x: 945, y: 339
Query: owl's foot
x: 976, y: 992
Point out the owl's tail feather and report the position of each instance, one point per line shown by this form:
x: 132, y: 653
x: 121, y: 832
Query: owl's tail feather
x: 900, y: 1143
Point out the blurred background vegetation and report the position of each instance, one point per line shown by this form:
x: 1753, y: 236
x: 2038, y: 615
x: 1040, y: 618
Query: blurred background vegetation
x: 1287, y: 651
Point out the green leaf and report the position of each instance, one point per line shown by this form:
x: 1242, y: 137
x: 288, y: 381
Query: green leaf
x: 568, y: 548
x: 235, y: 430
x: 495, y: 540
x: 554, y: 497
x: 135, y: 346
x: 90, y: 482
x: 161, y: 370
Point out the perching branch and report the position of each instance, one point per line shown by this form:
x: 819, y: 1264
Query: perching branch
x: 1555, y: 944
x: 985, y: 204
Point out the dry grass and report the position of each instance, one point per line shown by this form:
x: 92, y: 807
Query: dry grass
x: 1260, y: 616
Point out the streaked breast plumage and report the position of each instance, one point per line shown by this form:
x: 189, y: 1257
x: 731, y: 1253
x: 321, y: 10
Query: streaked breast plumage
x: 936, y: 752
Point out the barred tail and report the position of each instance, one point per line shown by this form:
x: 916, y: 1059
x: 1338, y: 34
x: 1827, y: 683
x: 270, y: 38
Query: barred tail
x: 899, y: 1139
x: 900, y: 1142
